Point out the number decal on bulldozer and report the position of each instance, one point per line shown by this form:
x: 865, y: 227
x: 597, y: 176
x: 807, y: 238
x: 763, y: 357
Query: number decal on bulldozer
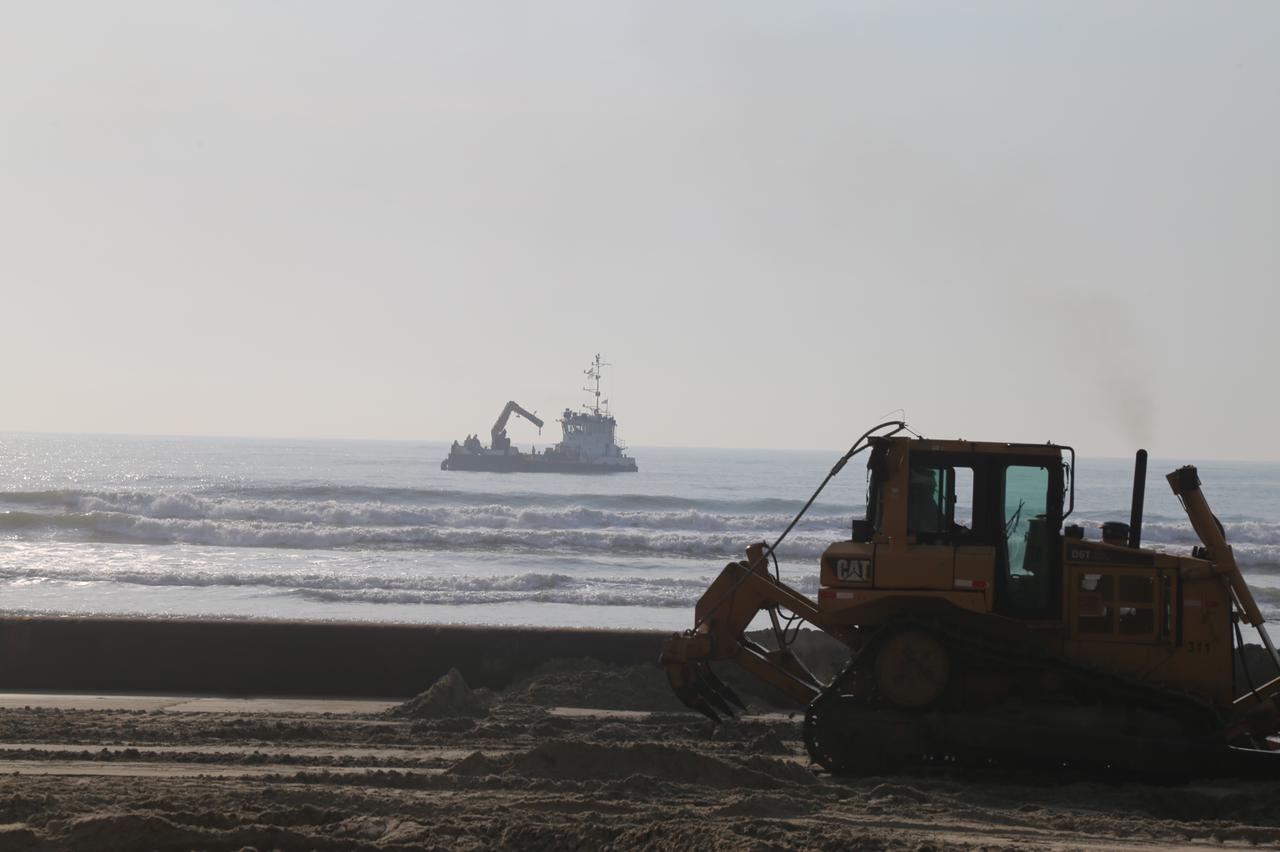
x: 853, y: 570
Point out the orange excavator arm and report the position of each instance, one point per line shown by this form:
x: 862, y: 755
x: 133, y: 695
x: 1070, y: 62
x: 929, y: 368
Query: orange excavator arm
x: 498, y: 433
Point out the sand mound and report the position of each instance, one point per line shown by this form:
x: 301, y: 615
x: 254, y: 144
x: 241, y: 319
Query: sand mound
x: 822, y: 654
x: 476, y: 764
x: 584, y: 682
x: 889, y: 794
x: 1261, y: 667
x: 584, y: 761
x: 447, y: 698
x: 591, y: 683
x: 767, y: 743
x: 757, y: 805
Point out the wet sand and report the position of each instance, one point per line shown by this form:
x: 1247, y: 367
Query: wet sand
x: 527, y: 767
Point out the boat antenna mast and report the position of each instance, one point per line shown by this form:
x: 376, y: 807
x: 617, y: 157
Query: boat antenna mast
x: 593, y: 375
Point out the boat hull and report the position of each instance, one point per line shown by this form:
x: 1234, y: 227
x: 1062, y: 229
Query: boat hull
x: 528, y: 463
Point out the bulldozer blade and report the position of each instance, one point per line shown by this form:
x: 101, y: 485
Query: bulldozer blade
x: 722, y: 689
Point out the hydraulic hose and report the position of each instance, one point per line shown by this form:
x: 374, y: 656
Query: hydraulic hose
x: 859, y: 445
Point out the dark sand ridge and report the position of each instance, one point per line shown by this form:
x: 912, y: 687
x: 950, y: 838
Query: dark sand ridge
x: 286, y: 658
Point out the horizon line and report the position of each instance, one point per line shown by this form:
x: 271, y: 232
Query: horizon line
x: 315, y: 439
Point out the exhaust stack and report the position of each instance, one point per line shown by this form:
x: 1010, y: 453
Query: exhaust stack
x: 1139, y: 493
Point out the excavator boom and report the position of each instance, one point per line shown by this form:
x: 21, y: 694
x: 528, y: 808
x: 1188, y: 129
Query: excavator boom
x: 500, y: 425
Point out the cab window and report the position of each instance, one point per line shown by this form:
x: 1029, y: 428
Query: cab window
x: 1028, y: 537
x: 940, y: 501
x: 876, y: 472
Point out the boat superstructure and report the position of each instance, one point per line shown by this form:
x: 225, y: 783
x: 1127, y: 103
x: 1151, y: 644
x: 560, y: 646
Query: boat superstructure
x: 588, y: 441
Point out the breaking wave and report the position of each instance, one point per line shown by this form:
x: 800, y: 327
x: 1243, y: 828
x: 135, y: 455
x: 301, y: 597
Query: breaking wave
x: 494, y: 515
x: 1256, y: 544
x: 165, y: 527
x: 665, y: 549
x: 403, y: 497
x: 237, y: 521
x: 1238, y: 532
x: 345, y: 517
x: 116, y: 527
x: 530, y: 587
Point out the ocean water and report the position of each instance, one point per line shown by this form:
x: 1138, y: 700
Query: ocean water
x: 350, y: 530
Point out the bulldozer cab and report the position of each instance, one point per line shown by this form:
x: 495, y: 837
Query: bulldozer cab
x: 998, y: 504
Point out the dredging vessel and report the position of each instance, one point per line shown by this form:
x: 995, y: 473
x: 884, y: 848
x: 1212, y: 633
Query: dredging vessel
x: 588, y: 443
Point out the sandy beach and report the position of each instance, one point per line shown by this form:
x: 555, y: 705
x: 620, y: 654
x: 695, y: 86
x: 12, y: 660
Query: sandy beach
x: 577, y: 755
x: 404, y: 402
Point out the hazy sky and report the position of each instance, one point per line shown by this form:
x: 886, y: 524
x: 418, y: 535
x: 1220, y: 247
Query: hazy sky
x: 778, y: 221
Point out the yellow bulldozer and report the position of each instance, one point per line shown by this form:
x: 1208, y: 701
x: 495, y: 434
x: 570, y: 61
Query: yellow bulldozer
x: 983, y: 628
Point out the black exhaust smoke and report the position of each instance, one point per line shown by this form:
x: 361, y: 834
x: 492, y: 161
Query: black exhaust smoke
x: 1139, y: 492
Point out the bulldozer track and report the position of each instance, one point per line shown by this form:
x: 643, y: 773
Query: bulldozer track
x: 1092, y: 721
